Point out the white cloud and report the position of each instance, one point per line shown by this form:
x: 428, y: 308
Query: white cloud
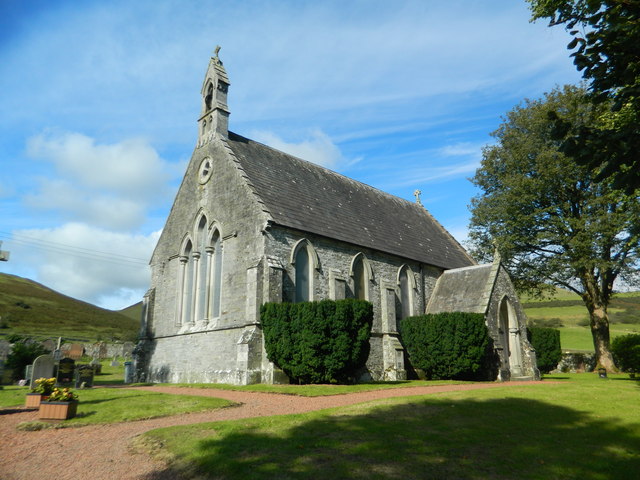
x: 104, y: 185
x: 317, y: 148
x: 92, y: 264
x: 461, y: 149
x: 131, y: 167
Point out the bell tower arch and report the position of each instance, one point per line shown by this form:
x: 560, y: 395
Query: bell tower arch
x: 214, y: 116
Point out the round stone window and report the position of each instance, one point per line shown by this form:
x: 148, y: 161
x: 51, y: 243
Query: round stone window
x: 206, y: 169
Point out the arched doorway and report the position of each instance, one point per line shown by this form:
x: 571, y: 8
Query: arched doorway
x: 509, y: 331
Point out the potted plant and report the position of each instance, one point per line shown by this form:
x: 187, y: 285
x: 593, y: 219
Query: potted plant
x: 41, y: 390
x: 62, y: 404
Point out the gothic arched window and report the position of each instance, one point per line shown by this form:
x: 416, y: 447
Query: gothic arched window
x: 215, y: 274
x: 304, y: 260
x: 185, y: 299
x: 200, y: 276
x: 208, y: 99
x: 361, y: 275
x: 406, y: 285
x: 303, y: 276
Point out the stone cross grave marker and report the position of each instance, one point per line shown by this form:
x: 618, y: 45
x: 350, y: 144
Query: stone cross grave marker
x: 84, y: 376
x: 66, y: 368
x: 43, y: 367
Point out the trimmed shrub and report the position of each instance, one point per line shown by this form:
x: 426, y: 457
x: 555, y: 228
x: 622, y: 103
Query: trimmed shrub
x: 452, y: 345
x: 318, y: 342
x: 546, y: 342
x: 626, y: 352
x: 23, y: 353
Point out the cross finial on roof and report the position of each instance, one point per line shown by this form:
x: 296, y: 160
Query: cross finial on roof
x: 417, y: 193
x: 215, y: 53
x: 496, y: 254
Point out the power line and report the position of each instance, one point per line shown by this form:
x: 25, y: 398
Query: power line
x: 74, y: 251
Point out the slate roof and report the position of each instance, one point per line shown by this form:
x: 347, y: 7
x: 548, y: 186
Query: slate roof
x: 464, y: 289
x: 307, y: 197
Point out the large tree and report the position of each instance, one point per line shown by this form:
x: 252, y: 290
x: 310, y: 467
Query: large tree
x: 606, y: 47
x: 552, y: 224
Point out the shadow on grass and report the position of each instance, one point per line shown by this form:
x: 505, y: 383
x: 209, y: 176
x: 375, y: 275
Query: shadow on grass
x: 120, y: 398
x: 463, y: 439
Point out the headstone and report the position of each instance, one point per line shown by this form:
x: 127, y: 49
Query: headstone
x: 66, y: 368
x: 127, y: 349
x: 28, y: 371
x: 43, y: 367
x: 50, y: 344
x: 128, y: 372
x: 97, y: 366
x: 5, y: 349
x: 84, y: 376
x: 115, y: 363
x: 76, y: 351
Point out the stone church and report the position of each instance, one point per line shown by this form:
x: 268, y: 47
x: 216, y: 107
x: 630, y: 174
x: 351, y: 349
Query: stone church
x: 251, y: 224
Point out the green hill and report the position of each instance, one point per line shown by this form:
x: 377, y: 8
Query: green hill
x: 29, y: 308
x: 567, y: 312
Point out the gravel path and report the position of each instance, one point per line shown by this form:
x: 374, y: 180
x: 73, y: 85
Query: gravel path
x: 102, y: 451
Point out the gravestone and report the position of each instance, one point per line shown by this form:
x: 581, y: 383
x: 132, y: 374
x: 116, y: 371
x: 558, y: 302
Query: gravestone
x: 84, y: 376
x: 5, y: 349
x: 50, y: 344
x: 43, y: 367
x: 102, y: 350
x: 127, y: 349
x: 66, y: 368
x: 75, y: 351
x: 28, y: 371
x: 115, y: 363
x: 97, y: 366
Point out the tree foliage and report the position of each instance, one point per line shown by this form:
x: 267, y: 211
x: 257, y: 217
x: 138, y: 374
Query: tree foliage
x: 23, y: 353
x: 552, y: 223
x: 546, y: 343
x: 451, y: 345
x: 318, y: 342
x: 606, y: 47
x: 626, y: 351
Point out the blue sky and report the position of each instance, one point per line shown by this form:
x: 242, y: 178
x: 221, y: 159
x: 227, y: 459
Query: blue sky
x: 100, y: 99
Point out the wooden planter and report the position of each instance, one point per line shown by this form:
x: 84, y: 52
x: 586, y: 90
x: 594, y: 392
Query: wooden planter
x: 33, y: 400
x: 57, y: 410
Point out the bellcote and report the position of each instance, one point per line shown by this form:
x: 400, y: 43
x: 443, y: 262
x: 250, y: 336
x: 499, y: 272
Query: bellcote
x: 214, y: 116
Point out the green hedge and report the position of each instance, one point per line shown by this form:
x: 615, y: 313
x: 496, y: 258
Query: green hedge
x: 452, y: 345
x: 546, y: 342
x: 626, y: 352
x: 318, y: 342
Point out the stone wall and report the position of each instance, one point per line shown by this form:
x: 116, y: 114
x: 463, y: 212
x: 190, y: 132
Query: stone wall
x: 332, y: 280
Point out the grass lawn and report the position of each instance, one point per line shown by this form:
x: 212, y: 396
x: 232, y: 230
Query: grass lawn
x: 319, y: 390
x: 112, y: 405
x: 582, y: 428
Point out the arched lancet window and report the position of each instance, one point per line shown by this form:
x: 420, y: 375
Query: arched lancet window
x: 303, y: 275
x: 200, y: 276
x: 216, y: 274
x: 361, y: 275
x: 185, y: 311
x: 200, y: 261
x: 208, y: 99
x: 406, y: 284
x: 304, y: 259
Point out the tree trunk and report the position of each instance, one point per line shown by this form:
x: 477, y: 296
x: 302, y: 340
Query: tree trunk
x: 600, y: 333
